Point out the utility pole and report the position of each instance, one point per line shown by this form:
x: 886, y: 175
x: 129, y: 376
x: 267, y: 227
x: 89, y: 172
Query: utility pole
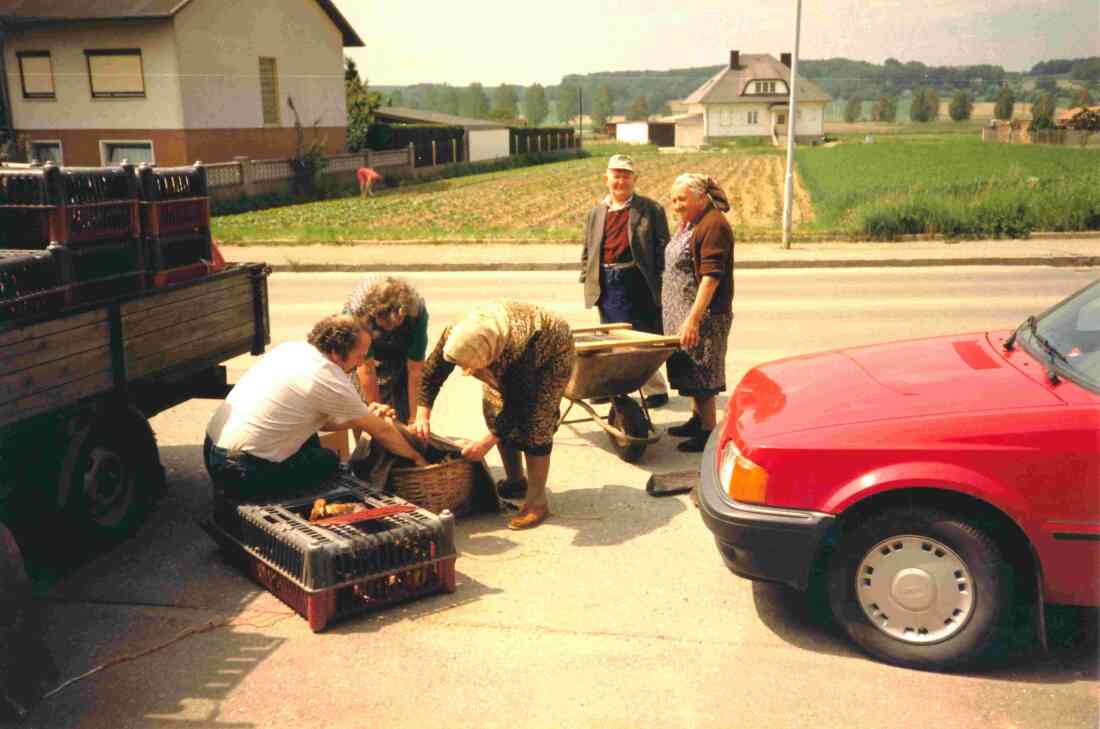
x: 580, y: 117
x: 792, y: 118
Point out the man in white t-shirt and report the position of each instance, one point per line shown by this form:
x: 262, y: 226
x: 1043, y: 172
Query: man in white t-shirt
x: 263, y: 439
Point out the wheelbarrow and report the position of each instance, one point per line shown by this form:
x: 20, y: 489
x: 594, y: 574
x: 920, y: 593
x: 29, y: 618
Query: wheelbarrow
x: 612, y: 361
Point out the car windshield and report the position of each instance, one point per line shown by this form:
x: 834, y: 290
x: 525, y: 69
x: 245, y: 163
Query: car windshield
x: 1067, y: 337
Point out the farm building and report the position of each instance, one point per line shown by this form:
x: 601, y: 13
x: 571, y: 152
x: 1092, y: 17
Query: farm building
x: 680, y: 130
x: 484, y: 139
x: 172, y: 81
x: 748, y: 98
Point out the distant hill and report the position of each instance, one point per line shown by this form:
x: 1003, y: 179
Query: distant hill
x: 842, y: 78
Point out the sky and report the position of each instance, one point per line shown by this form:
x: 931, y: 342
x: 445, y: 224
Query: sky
x: 526, y: 41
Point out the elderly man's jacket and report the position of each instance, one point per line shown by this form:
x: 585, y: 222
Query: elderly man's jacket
x: 648, y: 234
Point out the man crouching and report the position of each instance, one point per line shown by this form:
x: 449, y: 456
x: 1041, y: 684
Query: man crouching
x: 262, y: 441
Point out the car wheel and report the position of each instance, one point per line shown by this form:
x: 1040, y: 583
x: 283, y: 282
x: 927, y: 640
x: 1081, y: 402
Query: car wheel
x: 918, y: 587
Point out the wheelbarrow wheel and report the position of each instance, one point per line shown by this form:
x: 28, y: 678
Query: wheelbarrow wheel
x: 628, y: 416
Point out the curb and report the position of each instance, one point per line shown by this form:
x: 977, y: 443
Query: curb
x: 1052, y: 261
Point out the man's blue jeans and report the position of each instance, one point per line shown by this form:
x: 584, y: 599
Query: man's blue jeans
x: 245, y: 477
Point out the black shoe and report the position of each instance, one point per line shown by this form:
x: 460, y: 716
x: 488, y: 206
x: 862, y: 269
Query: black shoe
x: 695, y: 444
x: 656, y: 401
x: 689, y: 429
x: 512, y: 489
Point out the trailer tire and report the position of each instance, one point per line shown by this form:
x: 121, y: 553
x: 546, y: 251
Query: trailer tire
x: 111, y: 474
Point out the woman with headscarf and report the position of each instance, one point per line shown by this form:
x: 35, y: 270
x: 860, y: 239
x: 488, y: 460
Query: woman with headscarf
x: 397, y: 319
x: 524, y: 357
x: 697, y: 301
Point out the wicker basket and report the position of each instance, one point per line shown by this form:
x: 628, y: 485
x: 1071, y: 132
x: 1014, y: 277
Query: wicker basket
x: 436, y: 487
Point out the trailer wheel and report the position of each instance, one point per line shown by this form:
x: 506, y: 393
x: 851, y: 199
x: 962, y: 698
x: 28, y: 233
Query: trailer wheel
x: 111, y: 474
x: 628, y: 416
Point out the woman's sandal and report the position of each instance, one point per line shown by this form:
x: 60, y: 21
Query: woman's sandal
x: 529, y: 518
x: 512, y: 489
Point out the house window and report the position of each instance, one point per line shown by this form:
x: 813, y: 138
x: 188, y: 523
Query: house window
x: 269, y: 91
x: 765, y: 87
x: 726, y: 118
x: 753, y: 118
x: 781, y: 118
x: 115, y: 73
x: 134, y: 152
x: 36, y: 70
x: 46, y: 151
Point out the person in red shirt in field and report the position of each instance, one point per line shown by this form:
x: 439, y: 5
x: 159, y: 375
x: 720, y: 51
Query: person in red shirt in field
x: 366, y: 177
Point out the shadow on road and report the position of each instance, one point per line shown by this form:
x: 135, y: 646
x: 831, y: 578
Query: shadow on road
x: 612, y: 514
x: 806, y: 622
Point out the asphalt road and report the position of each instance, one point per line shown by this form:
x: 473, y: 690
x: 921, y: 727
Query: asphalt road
x: 616, y: 613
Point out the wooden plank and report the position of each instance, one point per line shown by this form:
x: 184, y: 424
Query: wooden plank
x: 206, y: 287
x: 211, y: 342
x: 603, y: 328
x: 13, y: 333
x: 199, y: 327
x: 165, y: 317
x: 92, y: 384
x: 16, y: 385
x: 656, y: 342
x: 34, y: 352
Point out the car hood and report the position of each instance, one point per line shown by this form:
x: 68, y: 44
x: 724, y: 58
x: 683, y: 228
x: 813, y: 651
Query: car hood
x: 909, y: 379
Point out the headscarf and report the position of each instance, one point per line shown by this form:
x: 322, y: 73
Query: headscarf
x: 478, y: 340
x: 704, y: 185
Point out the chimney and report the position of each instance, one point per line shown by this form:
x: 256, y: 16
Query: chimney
x: 735, y: 59
x: 785, y: 59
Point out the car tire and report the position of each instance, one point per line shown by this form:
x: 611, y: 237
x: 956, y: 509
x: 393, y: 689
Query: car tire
x: 920, y: 588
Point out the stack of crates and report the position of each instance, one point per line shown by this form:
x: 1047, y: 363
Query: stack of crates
x: 175, y: 222
x: 87, y: 218
x: 389, y: 552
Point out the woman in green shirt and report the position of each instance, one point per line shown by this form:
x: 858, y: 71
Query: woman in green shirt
x: 395, y: 315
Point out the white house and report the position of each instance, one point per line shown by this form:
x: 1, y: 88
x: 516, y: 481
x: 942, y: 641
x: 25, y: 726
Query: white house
x: 749, y: 98
x: 172, y: 81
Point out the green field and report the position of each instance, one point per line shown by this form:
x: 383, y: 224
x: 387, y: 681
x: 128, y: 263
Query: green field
x: 952, y: 185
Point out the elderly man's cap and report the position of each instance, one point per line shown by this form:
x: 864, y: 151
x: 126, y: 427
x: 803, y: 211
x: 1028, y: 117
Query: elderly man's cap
x: 620, y: 162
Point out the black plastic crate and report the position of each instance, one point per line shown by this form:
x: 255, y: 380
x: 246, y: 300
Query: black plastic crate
x: 171, y: 183
x: 173, y: 251
x: 86, y: 185
x: 27, y: 272
x: 27, y: 186
x: 333, y: 570
x: 104, y: 259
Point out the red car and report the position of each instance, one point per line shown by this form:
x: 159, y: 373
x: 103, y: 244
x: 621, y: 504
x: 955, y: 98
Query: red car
x: 932, y: 484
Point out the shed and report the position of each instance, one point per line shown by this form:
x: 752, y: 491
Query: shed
x: 484, y: 139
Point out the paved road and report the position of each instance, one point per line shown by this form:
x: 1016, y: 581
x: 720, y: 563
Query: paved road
x: 616, y: 613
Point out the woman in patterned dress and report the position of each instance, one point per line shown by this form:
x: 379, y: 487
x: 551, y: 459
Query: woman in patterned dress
x: 524, y: 357
x: 697, y: 301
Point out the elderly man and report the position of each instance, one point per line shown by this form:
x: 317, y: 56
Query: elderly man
x: 263, y: 439
x: 623, y: 259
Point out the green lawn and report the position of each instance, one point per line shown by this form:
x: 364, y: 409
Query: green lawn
x: 952, y: 185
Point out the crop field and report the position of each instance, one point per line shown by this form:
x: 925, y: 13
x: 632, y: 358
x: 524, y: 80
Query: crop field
x: 542, y: 203
x: 951, y: 185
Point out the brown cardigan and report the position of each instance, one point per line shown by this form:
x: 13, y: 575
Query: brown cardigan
x: 712, y: 254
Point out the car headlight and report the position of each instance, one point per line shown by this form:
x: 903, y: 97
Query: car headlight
x: 742, y: 479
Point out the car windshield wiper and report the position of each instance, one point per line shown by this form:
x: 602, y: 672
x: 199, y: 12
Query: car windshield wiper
x: 1032, y: 327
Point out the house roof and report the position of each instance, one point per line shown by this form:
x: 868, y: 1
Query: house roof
x: 16, y: 13
x: 419, y: 116
x: 728, y: 84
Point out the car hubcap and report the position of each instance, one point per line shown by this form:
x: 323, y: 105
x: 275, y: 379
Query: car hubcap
x: 105, y: 483
x: 915, y: 589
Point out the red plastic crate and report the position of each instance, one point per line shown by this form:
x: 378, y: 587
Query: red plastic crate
x: 320, y: 607
x: 167, y: 217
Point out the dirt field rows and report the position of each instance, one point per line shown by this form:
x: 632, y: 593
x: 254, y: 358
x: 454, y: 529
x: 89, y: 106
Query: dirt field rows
x: 547, y: 202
